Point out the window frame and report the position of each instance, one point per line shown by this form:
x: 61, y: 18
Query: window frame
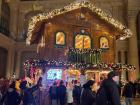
x: 55, y: 43
x: 107, y: 40
x: 85, y: 34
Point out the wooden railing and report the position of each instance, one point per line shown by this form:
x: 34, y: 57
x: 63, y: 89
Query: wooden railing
x: 84, y: 55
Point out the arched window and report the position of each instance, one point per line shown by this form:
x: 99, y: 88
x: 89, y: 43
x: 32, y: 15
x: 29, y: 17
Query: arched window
x: 60, y: 38
x: 104, y: 44
x: 82, y: 41
x: 5, y: 18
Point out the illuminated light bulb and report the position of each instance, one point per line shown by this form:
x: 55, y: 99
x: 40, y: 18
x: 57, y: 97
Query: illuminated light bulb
x: 122, y: 38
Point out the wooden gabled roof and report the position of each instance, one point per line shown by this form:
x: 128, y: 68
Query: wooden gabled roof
x: 38, y: 20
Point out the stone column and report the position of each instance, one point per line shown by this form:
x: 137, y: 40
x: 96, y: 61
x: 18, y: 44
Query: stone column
x: 133, y: 46
x: 17, y: 71
x: 20, y: 25
x: 10, y: 63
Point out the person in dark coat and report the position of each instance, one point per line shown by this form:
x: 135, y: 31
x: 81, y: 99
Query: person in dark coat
x: 134, y: 89
x: 27, y: 93
x: 62, y: 93
x: 53, y: 93
x: 87, y: 95
x: 77, y: 92
x: 111, y: 90
x: 128, y: 93
x: 11, y: 97
x: 138, y: 87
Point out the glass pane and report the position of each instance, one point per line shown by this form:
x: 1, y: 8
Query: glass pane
x: 104, y: 43
x: 79, y: 42
x: 87, y: 42
x: 60, y: 38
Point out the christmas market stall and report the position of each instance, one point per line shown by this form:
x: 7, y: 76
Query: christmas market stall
x: 78, y: 37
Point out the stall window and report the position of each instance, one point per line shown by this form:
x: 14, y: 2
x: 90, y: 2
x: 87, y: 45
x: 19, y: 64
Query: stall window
x: 60, y: 38
x: 104, y: 44
x: 82, y: 41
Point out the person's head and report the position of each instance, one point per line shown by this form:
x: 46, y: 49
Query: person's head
x: 75, y: 82
x: 89, y: 84
x: 114, y: 75
x: 82, y: 72
x: 61, y: 82
x: 55, y: 83
x: 23, y: 85
x: 12, y: 85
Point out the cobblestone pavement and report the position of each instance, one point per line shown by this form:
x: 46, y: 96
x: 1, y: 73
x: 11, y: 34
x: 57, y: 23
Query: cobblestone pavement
x: 136, y: 102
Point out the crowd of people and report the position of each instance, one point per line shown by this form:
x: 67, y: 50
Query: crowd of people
x: 73, y: 93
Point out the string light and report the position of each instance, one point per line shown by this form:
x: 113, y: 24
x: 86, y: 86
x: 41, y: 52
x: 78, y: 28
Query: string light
x: 33, y: 64
x: 40, y: 17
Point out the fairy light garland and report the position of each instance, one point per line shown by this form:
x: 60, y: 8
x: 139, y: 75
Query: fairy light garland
x: 40, y: 17
x: 28, y: 64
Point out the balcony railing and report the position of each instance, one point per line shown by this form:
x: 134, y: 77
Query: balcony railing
x: 84, y: 55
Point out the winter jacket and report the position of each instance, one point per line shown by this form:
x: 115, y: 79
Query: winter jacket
x: 87, y: 97
x: 53, y: 92
x: 112, y: 91
x: 11, y: 97
x: 28, y: 98
x: 77, y: 93
x: 128, y: 90
x: 62, y: 94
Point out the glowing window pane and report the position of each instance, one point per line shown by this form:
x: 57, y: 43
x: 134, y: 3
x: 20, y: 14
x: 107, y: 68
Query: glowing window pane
x: 82, y: 42
x: 53, y: 74
x: 87, y: 42
x: 79, y: 42
x: 104, y: 43
x: 60, y: 38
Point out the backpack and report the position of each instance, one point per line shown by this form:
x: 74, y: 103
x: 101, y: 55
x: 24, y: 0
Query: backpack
x: 101, y: 97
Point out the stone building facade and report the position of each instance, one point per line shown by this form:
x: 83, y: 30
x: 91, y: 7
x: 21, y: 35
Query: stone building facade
x: 14, y: 25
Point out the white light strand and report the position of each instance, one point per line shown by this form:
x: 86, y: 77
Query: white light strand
x: 73, y: 6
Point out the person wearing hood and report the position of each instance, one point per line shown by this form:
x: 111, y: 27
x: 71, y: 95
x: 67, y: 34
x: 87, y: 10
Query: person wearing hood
x: 11, y: 97
x: 87, y: 95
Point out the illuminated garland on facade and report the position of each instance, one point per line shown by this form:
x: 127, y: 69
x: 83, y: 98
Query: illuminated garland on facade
x: 76, y: 5
x: 28, y: 64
